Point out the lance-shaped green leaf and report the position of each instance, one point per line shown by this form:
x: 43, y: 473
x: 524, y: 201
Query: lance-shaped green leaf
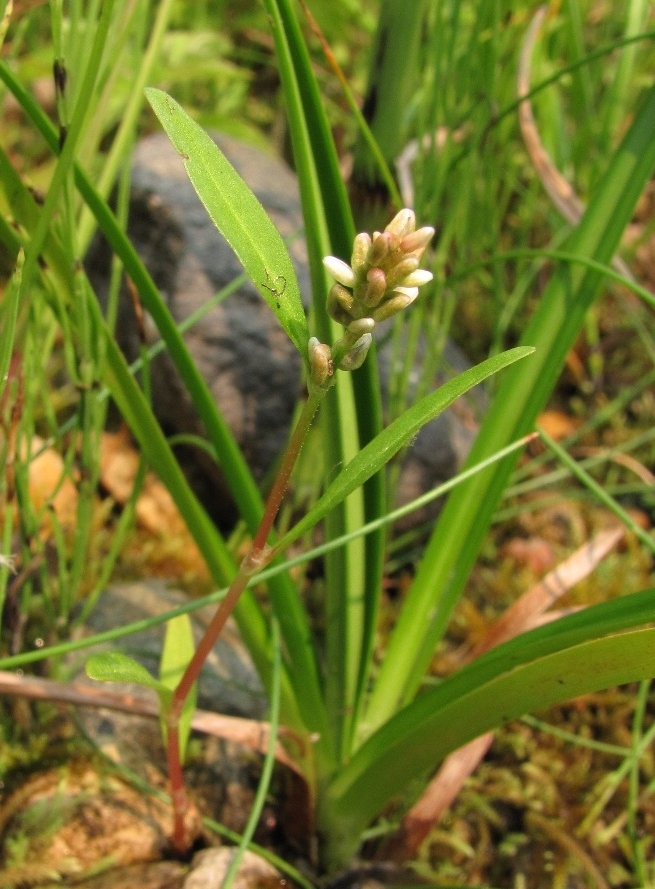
x: 602, y: 646
x: 238, y: 215
x: 113, y: 666
x: 176, y: 654
x: 383, y: 447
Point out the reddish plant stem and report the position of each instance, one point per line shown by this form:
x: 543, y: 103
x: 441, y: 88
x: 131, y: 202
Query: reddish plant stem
x: 257, y: 558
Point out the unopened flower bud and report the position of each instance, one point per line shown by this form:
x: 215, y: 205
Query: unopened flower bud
x: 395, y: 304
x: 340, y: 303
x: 400, y: 271
x: 374, y: 289
x: 403, y: 223
x: 416, y: 242
x: 339, y: 270
x: 380, y: 248
x: 361, y: 247
x: 320, y: 361
x: 417, y: 278
x: 361, y: 326
x: 355, y: 357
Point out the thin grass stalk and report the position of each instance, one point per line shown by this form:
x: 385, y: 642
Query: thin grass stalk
x: 67, y: 154
x: 267, y: 767
x: 636, y: 20
x: 122, y: 142
x: 598, y: 491
x: 391, y: 86
x: 257, y: 557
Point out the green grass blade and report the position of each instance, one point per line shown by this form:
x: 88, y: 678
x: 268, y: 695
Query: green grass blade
x: 8, y: 319
x: 238, y: 215
x: 602, y: 646
x: 379, y: 451
x: 553, y: 329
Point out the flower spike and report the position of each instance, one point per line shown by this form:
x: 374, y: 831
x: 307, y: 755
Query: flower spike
x: 382, y: 279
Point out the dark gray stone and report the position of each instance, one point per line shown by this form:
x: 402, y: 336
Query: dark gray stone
x: 253, y: 370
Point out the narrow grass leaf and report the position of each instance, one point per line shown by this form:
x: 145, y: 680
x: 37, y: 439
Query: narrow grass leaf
x: 238, y: 215
x: 345, y: 423
x: 8, y: 317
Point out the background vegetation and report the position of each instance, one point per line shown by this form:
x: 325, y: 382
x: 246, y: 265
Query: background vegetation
x: 497, y: 236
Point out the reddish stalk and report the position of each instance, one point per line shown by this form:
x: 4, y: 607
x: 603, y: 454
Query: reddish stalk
x: 257, y: 558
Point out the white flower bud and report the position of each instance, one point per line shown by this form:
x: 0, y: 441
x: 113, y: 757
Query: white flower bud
x: 340, y: 271
x: 417, y: 278
x: 403, y: 223
x: 411, y: 292
x: 361, y: 326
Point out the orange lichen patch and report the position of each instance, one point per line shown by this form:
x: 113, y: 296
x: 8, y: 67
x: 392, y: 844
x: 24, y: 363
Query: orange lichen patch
x: 162, y: 544
x: 119, y: 462
x: 51, y: 487
x: 557, y: 424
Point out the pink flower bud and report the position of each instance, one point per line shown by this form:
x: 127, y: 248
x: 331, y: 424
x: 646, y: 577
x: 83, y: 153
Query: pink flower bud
x: 417, y: 241
x: 370, y: 293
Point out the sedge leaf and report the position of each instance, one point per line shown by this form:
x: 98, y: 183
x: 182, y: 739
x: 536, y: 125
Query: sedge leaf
x: 238, y: 215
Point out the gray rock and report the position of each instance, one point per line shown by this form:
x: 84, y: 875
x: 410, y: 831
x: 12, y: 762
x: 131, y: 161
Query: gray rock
x: 253, y: 371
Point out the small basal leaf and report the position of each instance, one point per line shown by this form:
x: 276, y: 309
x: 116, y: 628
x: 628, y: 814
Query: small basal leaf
x: 113, y: 666
x: 176, y: 654
x: 238, y: 215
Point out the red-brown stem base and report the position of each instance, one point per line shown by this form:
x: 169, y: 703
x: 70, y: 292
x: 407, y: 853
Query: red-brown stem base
x: 257, y: 558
